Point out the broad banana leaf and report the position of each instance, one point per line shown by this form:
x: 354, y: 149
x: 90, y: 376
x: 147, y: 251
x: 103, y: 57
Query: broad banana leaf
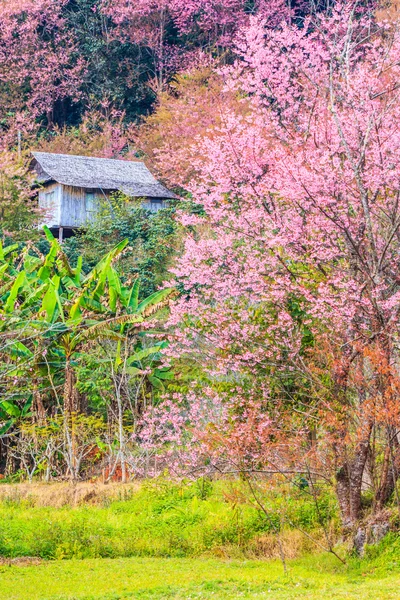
x: 78, y: 270
x: 75, y: 313
x: 35, y: 295
x: 6, y: 427
x: 141, y: 354
x: 134, y: 371
x: 45, y: 271
x: 50, y: 237
x: 17, y: 349
x: 164, y: 374
x: 31, y: 263
x: 12, y: 298
x: 156, y: 382
x: 154, y: 299
x: 6, y: 251
x: 11, y: 409
x: 51, y: 299
x: 133, y: 298
x: 107, y: 260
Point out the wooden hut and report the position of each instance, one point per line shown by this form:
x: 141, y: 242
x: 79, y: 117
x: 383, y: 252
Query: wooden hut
x: 72, y: 187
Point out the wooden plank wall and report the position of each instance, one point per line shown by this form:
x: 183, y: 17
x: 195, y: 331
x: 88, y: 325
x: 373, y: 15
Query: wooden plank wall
x: 75, y: 212
x: 71, y: 208
x: 52, y: 214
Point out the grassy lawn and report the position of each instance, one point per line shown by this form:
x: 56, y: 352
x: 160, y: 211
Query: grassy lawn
x: 315, y: 577
x: 173, y: 542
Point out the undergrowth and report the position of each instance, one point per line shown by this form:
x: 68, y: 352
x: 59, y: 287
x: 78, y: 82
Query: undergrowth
x: 162, y: 519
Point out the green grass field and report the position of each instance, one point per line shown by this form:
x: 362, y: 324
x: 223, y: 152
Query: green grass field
x: 168, y: 541
x: 316, y: 577
x: 160, y: 520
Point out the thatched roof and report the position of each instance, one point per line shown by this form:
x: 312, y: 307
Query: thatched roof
x: 132, y: 178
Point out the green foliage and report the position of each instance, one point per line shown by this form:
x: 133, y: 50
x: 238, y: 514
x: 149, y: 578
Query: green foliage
x: 11, y: 414
x: 159, y: 519
x: 153, y: 239
x: 64, y: 332
x: 118, y: 71
x: 18, y: 215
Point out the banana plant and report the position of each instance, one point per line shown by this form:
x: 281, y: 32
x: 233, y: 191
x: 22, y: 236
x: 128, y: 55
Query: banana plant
x: 49, y: 311
x: 145, y: 363
x: 11, y: 414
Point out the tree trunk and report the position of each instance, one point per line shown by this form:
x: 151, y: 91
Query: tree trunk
x: 10, y: 466
x: 390, y: 470
x: 38, y: 410
x: 72, y: 397
x: 72, y: 406
x: 349, y: 484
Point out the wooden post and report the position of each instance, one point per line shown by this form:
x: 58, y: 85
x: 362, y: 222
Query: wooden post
x: 60, y: 235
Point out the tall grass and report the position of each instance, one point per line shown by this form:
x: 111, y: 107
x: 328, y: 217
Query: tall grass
x: 164, y: 520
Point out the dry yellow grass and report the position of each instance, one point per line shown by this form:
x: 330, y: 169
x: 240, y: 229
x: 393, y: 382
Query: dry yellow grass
x: 66, y: 494
x: 292, y: 542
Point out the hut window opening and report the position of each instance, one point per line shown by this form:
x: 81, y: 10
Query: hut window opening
x: 49, y: 199
x: 156, y: 204
x: 90, y: 202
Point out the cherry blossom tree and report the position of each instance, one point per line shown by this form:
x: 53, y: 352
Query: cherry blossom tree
x: 291, y: 273
x: 39, y: 65
x: 173, y: 31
